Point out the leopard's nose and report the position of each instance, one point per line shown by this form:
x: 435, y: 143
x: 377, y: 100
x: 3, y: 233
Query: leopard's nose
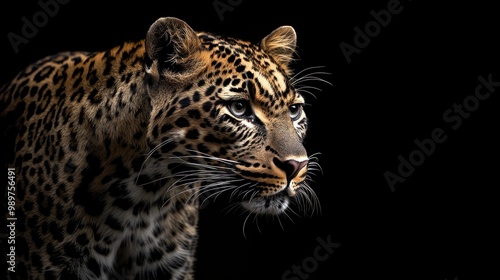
x: 291, y: 167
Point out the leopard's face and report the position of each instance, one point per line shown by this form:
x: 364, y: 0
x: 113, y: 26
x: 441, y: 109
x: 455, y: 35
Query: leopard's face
x: 236, y: 125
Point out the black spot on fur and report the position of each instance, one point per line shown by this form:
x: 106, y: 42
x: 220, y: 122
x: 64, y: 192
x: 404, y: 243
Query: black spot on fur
x: 218, y: 81
x: 166, y: 127
x: 207, y: 106
x: 24, y: 92
x: 171, y: 111
x: 139, y: 208
x: 98, y: 114
x: 211, y: 139
x: 185, y: 102
x: 235, y: 82
x: 194, y: 114
x: 118, y: 190
x: 94, y: 267
x: 240, y: 68
x: 31, y: 110
x: 155, y: 255
x: 168, y: 147
x: 178, y: 262
x: 210, y: 90
x: 106, y: 179
x: 192, y: 134
x: 110, y: 82
x: 123, y: 203
x: 113, y: 223
x: 44, y: 204
x: 71, y: 226
x: 203, y: 148
x: 95, y: 96
x: 196, y: 97
x: 137, y: 163
x: 43, y: 73
x: 101, y: 250
x: 155, y: 132
x: 36, y: 260
x: 28, y: 206
x: 56, y: 231
x: 120, y: 170
x: 73, y: 144
x: 152, y: 187
x: 138, y: 135
x: 140, y: 258
x: 60, y: 214
x: 251, y: 89
x: 82, y: 239
x: 35, y: 237
x: 157, y: 231
x: 82, y: 196
x: 55, y: 255
x: 159, y: 115
x: 182, y: 122
x: 170, y: 247
x: 19, y: 145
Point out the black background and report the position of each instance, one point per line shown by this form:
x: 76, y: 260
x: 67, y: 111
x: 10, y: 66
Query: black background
x: 440, y: 223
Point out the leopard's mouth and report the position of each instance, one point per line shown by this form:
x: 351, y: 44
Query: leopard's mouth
x: 271, y: 205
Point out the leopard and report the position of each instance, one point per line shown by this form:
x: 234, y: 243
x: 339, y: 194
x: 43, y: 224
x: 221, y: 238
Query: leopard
x: 113, y: 150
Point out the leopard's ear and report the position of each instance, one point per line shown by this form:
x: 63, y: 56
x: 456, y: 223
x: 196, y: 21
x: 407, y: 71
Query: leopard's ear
x: 172, y: 49
x: 281, y: 44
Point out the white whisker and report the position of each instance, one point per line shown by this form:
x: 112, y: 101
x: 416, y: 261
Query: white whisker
x: 294, y: 77
x: 245, y: 222
x: 149, y: 155
x: 289, y: 209
x: 200, y: 177
x: 202, y: 155
x: 308, y: 75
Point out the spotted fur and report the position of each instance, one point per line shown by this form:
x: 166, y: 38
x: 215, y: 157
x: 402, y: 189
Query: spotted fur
x: 113, y: 149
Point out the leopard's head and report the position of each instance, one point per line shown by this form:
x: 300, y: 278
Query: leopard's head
x: 226, y: 115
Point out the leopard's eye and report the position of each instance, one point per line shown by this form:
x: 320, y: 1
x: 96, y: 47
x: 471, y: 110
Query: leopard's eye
x: 295, y: 111
x: 240, y: 109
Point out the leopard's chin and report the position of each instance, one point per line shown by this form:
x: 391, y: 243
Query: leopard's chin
x: 267, y: 205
